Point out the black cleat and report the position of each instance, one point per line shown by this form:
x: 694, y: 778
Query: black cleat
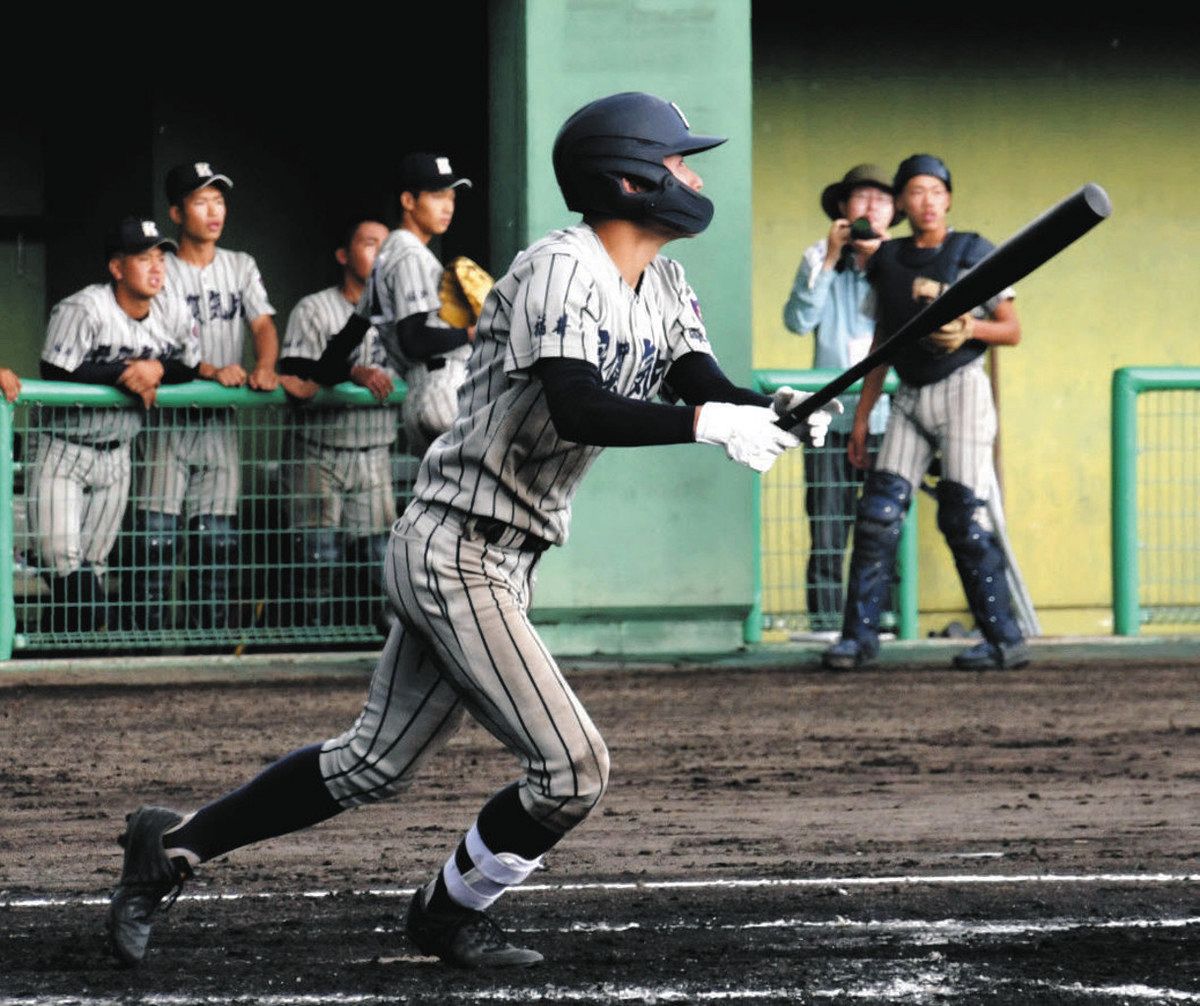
x: 147, y: 877
x: 468, y: 939
x: 846, y: 654
x: 984, y: 656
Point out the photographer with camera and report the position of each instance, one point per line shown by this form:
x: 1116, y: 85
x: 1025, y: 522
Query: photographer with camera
x: 830, y: 299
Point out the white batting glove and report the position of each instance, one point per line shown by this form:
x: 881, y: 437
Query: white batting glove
x: 747, y: 432
x: 816, y: 427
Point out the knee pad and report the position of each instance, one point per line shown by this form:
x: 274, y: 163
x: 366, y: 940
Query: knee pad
x: 880, y: 512
x: 155, y: 536
x: 216, y: 538
x: 319, y: 546
x: 958, y: 519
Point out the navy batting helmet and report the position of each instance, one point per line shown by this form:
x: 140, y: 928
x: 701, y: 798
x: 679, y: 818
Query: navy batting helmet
x: 627, y: 136
x: 921, y: 164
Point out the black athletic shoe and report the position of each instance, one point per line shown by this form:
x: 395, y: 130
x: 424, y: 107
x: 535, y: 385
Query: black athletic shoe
x: 147, y: 877
x: 985, y: 656
x: 468, y: 939
x: 846, y: 654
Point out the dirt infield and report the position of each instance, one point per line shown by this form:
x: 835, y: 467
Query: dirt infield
x: 1082, y: 786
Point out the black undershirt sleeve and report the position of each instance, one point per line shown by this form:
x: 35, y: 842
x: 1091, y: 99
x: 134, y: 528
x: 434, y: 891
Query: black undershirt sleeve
x: 585, y: 413
x: 334, y: 364
x: 177, y: 372
x: 302, y: 366
x: 696, y: 378
x: 420, y: 341
x: 85, y: 373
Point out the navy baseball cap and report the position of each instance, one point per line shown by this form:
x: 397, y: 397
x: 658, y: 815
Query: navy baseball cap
x: 422, y: 172
x: 921, y: 164
x: 134, y: 235
x: 184, y: 179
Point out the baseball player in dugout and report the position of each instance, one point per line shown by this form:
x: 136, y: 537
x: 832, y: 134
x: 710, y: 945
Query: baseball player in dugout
x: 406, y: 298
x: 832, y: 299
x: 123, y: 333
x: 340, y: 475
x: 192, y: 458
x: 588, y: 326
x: 944, y: 407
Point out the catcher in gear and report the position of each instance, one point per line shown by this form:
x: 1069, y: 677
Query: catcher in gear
x: 944, y: 405
x: 589, y: 326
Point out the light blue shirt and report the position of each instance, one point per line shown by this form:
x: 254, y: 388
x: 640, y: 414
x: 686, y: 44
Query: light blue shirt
x: 838, y: 308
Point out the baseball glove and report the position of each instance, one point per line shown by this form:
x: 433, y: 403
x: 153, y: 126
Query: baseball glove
x: 952, y: 334
x: 464, y: 286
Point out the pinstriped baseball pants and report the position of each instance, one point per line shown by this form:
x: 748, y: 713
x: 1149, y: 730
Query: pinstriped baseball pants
x: 955, y: 415
x: 463, y: 642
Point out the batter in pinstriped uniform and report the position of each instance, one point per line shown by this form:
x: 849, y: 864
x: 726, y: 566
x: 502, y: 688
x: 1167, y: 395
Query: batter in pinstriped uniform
x: 588, y: 325
x: 430, y: 354
x: 343, y: 501
x: 944, y: 405
x: 122, y: 333
x: 198, y: 468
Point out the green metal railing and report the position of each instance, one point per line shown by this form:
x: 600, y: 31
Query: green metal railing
x: 1155, y: 497
x: 274, y: 571
x: 781, y: 558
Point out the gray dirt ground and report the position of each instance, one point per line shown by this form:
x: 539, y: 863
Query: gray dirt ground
x: 730, y: 773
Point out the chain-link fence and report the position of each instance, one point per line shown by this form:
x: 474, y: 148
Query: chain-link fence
x: 217, y: 520
x: 1156, y: 497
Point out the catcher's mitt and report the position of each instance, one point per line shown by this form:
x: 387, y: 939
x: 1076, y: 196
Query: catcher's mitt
x: 464, y: 286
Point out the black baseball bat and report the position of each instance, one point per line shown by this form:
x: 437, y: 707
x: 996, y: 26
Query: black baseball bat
x: 1025, y: 251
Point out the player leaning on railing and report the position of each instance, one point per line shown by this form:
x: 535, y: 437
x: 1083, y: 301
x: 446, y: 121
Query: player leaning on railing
x: 120, y: 333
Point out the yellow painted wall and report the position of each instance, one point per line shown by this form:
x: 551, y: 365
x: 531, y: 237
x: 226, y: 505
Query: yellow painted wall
x: 1020, y: 129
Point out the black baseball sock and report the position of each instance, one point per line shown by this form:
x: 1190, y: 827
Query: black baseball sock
x: 285, y: 797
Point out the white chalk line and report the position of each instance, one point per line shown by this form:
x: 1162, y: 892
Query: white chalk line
x: 916, y: 989
x: 951, y: 880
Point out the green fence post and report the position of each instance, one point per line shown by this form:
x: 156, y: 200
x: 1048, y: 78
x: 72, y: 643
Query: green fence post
x: 1126, y: 614
x: 8, y: 615
x: 907, y: 593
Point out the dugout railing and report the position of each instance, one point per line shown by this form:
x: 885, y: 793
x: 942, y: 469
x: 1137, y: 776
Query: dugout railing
x: 287, y: 581
x: 784, y: 604
x: 1155, y: 498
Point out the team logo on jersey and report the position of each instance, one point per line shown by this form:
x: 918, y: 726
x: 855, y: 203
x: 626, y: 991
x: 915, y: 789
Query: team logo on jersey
x: 696, y: 308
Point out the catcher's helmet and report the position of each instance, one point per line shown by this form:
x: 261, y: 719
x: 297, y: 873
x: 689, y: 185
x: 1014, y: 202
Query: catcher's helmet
x: 627, y: 136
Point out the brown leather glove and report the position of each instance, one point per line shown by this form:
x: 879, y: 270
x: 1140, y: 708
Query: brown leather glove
x: 952, y: 334
x: 464, y: 286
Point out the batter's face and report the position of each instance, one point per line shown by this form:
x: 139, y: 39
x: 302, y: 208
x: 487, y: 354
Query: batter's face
x: 874, y: 204
x: 926, y: 201
x: 364, y: 246
x: 674, y: 163
x: 139, y: 275
x: 428, y: 213
x: 202, y: 215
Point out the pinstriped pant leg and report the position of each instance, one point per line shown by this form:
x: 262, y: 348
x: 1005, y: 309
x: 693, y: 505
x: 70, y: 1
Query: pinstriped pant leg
x: 966, y: 417
x: 906, y: 450
x: 462, y: 608
x: 410, y: 711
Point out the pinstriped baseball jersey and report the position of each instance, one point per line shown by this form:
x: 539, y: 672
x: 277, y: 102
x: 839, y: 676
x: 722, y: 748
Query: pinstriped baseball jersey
x: 223, y: 297
x: 91, y: 327
x: 562, y: 297
x: 313, y: 321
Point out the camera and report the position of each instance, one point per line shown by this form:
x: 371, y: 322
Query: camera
x: 860, y: 230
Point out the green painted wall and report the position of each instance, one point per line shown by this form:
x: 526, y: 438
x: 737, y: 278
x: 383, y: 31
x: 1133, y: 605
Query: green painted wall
x: 661, y: 528
x: 1022, y: 122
